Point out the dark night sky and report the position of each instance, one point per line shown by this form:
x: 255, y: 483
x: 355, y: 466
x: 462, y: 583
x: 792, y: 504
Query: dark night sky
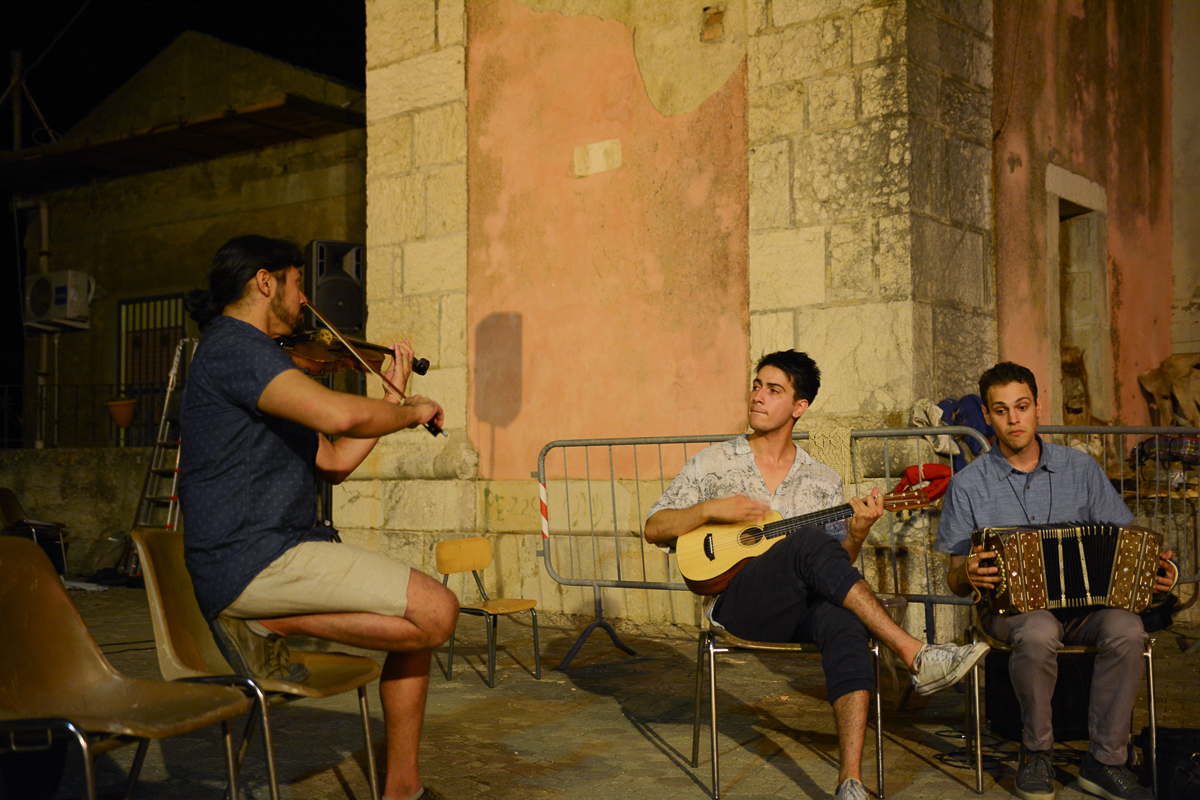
x: 108, y: 43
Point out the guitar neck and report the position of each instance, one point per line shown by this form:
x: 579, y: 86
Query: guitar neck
x: 785, y: 526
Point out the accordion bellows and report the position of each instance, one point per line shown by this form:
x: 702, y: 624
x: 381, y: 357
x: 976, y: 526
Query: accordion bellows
x: 1071, y: 565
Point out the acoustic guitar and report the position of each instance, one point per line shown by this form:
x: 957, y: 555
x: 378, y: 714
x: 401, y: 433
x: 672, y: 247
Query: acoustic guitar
x: 711, y: 555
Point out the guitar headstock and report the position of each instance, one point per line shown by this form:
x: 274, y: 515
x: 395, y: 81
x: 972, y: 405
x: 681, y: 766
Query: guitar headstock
x: 906, y: 500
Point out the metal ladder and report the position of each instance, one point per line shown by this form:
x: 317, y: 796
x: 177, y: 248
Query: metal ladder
x: 158, y: 506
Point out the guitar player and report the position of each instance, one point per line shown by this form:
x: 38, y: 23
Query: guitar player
x: 1026, y: 481
x: 805, y: 588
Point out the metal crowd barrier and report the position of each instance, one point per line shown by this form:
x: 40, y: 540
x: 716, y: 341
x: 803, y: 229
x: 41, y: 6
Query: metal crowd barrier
x: 595, y: 494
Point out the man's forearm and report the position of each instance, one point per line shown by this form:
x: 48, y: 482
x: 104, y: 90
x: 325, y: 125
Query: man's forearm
x: 669, y: 524
x: 957, y: 578
x: 380, y: 418
x: 852, y: 545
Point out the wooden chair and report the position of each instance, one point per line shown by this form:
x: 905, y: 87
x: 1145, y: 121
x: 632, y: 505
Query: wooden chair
x: 475, y: 554
x: 976, y: 633
x: 187, y: 650
x: 54, y: 681
x: 17, y: 523
x: 715, y: 639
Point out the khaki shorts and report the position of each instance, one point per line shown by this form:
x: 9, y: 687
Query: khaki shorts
x: 324, y: 578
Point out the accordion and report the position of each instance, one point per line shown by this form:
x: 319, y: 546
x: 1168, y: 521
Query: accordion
x: 1071, y: 565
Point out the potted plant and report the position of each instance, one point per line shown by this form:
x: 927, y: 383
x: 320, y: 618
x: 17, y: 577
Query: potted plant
x: 121, y: 408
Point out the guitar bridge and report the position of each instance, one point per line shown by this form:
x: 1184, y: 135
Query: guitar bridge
x: 708, y: 547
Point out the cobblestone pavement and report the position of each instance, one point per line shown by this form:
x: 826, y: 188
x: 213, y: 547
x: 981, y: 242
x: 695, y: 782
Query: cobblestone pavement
x: 611, y: 725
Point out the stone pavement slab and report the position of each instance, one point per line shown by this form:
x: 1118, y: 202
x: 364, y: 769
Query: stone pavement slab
x: 611, y: 725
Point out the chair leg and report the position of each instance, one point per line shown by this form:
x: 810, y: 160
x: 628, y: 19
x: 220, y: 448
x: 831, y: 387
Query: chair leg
x: 712, y: 713
x: 372, y: 770
x: 537, y: 654
x: 491, y: 620
x: 975, y: 728
x: 699, y: 700
x: 1152, y: 709
x: 260, y: 699
x: 89, y: 763
x: 135, y: 769
x: 875, y: 658
x: 450, y: 659
x: 230, y: 759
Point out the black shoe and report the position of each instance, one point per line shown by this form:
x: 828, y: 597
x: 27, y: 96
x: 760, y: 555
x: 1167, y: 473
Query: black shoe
x: 1114, y: 783
x: 1035, y: 775
x: 254, y: 656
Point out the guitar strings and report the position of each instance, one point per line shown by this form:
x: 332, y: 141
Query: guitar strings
x: 782, y: 527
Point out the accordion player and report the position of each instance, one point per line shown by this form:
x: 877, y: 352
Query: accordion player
x: 1070, y: 565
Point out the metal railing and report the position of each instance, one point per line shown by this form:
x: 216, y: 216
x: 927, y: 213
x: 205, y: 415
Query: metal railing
x: 595, y: 494
x: 75, y: 415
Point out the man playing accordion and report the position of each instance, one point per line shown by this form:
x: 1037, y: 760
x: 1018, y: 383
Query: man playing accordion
x: 1024, y: 481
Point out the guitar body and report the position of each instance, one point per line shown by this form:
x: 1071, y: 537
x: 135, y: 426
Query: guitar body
x: 711, y: 555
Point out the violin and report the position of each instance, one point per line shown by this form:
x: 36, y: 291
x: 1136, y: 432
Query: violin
x: 324, y: 352
x: 318, y: 352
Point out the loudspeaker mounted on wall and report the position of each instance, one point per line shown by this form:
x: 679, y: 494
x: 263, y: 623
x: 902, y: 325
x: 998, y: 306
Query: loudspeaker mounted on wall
x: 335, y: 282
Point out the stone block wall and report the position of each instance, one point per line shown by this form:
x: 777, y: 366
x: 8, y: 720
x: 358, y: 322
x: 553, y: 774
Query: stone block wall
x: 415, y: 490
x: 869, y: 197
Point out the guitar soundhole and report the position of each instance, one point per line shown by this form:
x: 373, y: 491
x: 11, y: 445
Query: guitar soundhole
x: 750, y: 537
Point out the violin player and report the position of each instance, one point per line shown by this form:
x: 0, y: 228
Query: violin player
x: 253, y: 446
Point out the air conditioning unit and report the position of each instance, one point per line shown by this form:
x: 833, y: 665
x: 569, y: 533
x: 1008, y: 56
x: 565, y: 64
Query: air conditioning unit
x: 58, y: 299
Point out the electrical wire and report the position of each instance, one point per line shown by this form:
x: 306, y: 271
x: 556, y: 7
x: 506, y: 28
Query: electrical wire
x: 54, y: 41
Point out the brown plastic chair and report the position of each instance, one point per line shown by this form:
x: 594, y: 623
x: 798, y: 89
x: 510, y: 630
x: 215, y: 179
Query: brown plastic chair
x: 186, y: 648
x: 17, y: 523
x: 715, y: 639
x: 473, y: 555
x: 55, y: 680
x: 976, y: 633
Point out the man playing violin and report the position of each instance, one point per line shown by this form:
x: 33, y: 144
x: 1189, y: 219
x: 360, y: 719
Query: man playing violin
x: 254, y: 443
x: 805, y: 588
x: 1025, y: 481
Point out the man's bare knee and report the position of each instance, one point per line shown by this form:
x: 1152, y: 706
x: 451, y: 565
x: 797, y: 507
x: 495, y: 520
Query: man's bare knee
x: 431, y: 607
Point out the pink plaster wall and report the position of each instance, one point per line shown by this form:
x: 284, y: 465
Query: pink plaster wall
x: 1085, y: 85
x: 609, y: 305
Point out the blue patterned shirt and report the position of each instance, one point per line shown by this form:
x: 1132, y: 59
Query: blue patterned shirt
x: 1065, y: 486
x: 247, y: 480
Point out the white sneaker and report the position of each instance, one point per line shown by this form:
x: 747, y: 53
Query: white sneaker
x: 940, y: 665
x: 851, y: 789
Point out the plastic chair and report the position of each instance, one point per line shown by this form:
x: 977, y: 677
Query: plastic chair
x: 974, y: 708
x: 55, y: 680
x: 18, y: 524
x: 475, y: 554
x: 187, y: 650
x: 715, y: 639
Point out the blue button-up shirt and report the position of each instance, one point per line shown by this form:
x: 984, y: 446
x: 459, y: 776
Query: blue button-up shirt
x: 1065, y: 486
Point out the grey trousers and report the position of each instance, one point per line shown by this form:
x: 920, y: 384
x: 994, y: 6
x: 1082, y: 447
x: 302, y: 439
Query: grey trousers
x: 1035, y: 638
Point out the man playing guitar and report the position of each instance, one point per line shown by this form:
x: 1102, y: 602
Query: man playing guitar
x: 805, y: 588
